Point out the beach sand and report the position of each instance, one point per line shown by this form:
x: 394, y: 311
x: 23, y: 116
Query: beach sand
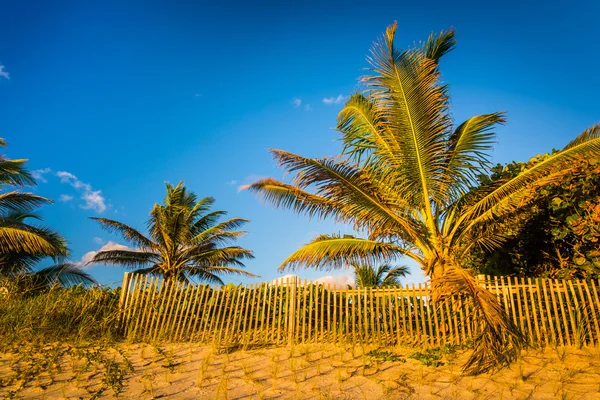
x: 189, y: 371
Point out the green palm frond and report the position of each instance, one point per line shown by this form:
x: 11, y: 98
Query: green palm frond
x: 439, y: 44
x: 127, y: 232
x: 468, y: 154
x: 13, y: 172
x: 20, y: 201
x: 336, y: 251
x: 65, y: 275
x: 125, y: 258
x: 18, y: 238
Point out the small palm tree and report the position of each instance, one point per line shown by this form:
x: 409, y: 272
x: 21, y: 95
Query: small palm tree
x: 385, y: 275
x: 185, y: 241
x: 407, y: 178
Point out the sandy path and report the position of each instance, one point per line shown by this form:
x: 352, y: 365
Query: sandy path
x: 187, y: 371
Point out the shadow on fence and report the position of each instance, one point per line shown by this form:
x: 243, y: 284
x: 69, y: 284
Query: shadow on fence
x: 292, y: 311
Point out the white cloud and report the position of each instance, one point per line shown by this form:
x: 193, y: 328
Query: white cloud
x: 98, y: 240
x: 297, y: 102
x: 89, y: 256
x: 38, y: 174
x: 65, y: 198
x: 3, y: 73
x: 338, y: 281
x: 197, y: 95
x: 93, y: 198
x: 232, y: 182
x: 335, y: 100
x: 307, y: 107
x: 341, y: 280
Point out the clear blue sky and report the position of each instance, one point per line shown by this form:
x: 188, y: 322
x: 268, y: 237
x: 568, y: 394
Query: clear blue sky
x: 125, y: 96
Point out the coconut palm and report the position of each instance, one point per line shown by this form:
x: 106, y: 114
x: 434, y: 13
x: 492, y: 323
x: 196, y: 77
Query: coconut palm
x: 185, y: 241
x: 17, y: 235
x: 407, y: 179
x: 385, y: 275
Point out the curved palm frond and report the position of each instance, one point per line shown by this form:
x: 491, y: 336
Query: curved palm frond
x: 20, y: 201
x: 128, y: 233
x: 13, y: 172
x: 125, y: 258
x: 336, y: 251
x: 65, y: 275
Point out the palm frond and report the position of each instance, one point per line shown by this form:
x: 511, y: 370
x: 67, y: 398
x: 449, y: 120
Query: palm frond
x: 357, y: 196
x: 439, y: 44
x: 282, y: 195
x: 335, y: 251
x: 468, y: 154
x: 65, y: 275
x: 19, y: 238
x: 125, y: 258
x: 20, y: 201
x: 128, y: 233
x: 13, y: 172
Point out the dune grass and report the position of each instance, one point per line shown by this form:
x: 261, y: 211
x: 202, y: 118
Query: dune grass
x: 73, y: 315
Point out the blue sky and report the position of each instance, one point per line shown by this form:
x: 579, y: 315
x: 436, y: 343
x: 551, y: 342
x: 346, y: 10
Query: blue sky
x: 108, y: 100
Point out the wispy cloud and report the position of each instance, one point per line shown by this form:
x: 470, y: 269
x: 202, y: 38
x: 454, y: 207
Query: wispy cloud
x: 297, y: 102
x: 3, y: 73
x: 335, y: 100
x: 93, y: 198
x: 89, y: 256
x: 65, y: 198
x: 38, y: 174
x: 98, y: 240
x: 231, y: 182
x: 307, y: 107
x: 197, y: 94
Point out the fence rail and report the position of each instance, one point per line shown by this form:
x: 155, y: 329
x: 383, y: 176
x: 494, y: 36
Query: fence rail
x: 293, y: 311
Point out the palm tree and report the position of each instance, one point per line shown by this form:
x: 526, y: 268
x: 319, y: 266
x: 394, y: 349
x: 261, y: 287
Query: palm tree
x: 385, y: 275
x: 407, y: 179
x: 17, y: 235
x: 22, y: 244
x: 185, y: 241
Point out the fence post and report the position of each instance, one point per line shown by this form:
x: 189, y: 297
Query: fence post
x: 292, y: 312
x: 124, y: 291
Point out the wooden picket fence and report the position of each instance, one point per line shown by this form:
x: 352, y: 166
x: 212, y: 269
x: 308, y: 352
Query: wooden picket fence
x: 293, y: 311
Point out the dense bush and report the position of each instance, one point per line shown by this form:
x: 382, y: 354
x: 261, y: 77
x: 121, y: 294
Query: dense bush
x: 558, y: 234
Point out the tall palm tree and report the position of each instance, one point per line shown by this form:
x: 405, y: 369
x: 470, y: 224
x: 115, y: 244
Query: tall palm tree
x: 185, y: 241
x: 385, y: 275
x: 407, y: 179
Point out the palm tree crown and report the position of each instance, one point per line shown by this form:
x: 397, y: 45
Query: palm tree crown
x: 185, y: 241
x: 385, y: 275
x: 407, y: 178
x: 22, y: 244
